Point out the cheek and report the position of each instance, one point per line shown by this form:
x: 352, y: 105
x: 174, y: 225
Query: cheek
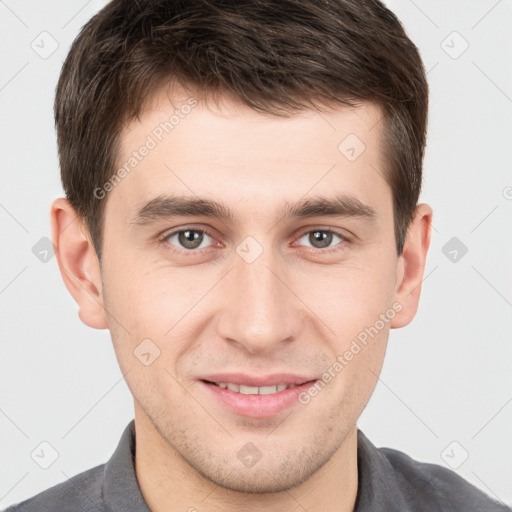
x: 135, y: 292
x: 350, y: 298
x: 149, y: 298
x: 149, y: 303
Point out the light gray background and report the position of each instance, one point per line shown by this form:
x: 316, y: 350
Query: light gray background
x: 447, y: 376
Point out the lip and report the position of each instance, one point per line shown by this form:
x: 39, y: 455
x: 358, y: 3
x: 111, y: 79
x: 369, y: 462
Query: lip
x: 259, y: 380
x: 256, y: 406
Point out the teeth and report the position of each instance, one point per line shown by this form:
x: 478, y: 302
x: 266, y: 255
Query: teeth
x: 249, y: 390
x: 254, y: 390
x: 268, y: 390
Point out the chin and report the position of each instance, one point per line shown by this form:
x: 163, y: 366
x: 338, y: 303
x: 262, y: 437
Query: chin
x: 274, y: 472
x: 260, y: 481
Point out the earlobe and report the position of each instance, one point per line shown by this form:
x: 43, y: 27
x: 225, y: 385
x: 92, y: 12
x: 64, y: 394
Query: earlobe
x: 411, y: 266
x: 78, y: 263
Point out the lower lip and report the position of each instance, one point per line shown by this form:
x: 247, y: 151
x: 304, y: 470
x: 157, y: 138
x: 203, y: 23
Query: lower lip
x: 257, y: 406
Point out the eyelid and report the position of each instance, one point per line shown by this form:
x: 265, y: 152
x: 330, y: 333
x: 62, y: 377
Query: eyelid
x: 312, y: 229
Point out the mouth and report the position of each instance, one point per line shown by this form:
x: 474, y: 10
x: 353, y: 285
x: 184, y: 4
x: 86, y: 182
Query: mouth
x: 252, y: 390
x: 255, y: 398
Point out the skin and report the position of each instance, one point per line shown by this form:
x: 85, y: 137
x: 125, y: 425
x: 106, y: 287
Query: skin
x: 294, y: 309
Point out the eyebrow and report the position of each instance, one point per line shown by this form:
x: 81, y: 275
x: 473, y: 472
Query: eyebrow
x: 167, y: 206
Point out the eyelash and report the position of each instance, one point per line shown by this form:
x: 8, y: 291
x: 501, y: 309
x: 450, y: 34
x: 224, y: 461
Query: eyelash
x: 193, y: 252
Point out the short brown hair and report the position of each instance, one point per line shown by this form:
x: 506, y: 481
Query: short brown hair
x: 276, y: 56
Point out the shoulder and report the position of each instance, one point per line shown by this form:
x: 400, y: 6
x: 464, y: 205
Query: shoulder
x: 425, y: 483
x: 81, y: 493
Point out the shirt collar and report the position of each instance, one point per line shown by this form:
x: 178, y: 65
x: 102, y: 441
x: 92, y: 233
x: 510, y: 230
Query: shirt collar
x: 121, y: 489
x: 378, y: 489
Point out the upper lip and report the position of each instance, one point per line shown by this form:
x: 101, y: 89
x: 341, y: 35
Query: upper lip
x: 258, y: 380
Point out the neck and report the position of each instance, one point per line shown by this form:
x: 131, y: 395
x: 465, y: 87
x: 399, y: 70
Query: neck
x: 168, y: 483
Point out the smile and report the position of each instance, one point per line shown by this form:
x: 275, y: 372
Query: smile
x: 256, y: 401
x: 253, y: 390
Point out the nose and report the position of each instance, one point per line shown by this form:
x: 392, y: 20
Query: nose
x: 261, y: 312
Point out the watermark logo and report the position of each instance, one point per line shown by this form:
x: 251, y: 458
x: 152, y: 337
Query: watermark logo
x: 454, y: 249
x: 43, y: 250
x: 249, y: 249
x: 454, y: 455
x: 357, y: 345
x: 351, y: 147
x: 44, y: 455
x: 152, y: 140
x: 45, y: 45
x: 249, y: 455
x: 454, y: 45
x: 147, y: 352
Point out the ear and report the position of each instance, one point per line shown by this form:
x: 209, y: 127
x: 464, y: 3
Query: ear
x: 411, y: 266
x: 78, y: 263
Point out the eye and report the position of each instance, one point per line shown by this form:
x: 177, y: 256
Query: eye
x: 321, y: 238
x: 189, y: 239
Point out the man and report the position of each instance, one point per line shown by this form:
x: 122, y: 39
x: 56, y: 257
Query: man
x: 241, y: 212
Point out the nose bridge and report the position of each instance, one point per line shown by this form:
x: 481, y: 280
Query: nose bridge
x: 260, y: 312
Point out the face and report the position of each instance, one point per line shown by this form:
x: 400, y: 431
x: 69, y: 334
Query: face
x: 280, y: 290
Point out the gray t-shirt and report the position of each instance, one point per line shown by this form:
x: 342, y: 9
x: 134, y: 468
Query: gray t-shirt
x: 389, y: 481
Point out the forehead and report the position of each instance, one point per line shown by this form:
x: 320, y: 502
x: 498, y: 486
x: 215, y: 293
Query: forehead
x: 228, y: 152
